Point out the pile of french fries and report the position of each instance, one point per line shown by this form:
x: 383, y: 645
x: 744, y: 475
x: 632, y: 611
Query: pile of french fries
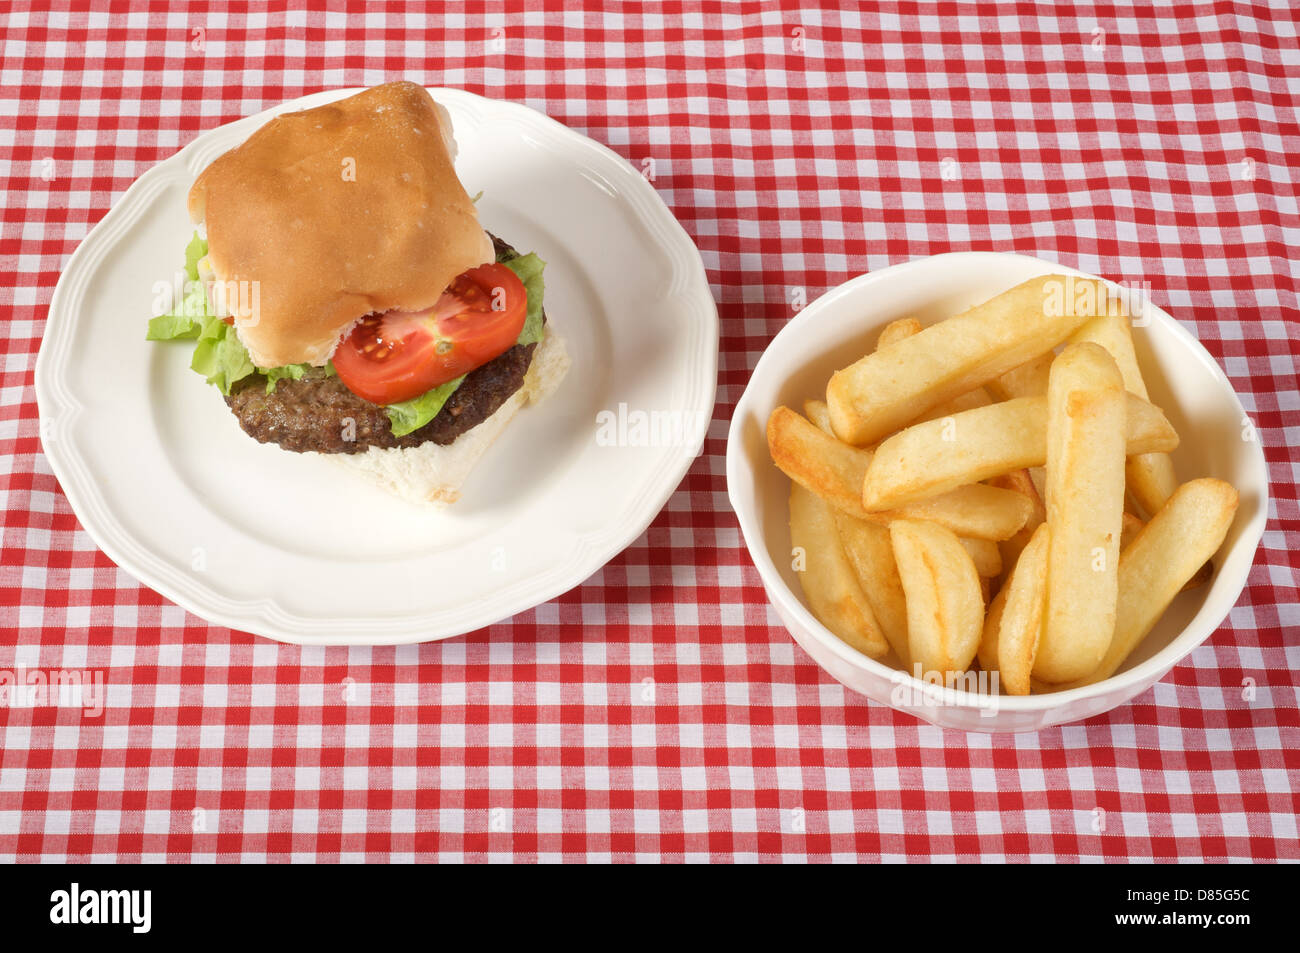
x: 996, y: 490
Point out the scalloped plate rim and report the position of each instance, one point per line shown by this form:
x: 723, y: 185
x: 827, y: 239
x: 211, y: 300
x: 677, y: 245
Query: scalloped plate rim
x: 689, y: 290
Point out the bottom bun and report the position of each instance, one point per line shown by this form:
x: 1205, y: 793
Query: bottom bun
x: 433, y: 473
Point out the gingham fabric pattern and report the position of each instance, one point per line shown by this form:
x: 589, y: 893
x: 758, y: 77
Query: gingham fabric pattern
x: 659, y: 711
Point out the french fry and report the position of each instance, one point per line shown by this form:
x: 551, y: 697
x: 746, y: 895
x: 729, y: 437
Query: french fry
x: 940, y: 455
x: 976, y: 511
x: 962, y: 402
x: 866, y: 543
x: 827, y: 577
x: 872, y: 556
x: 1021, y: 482
x: 1169, y: 551
x: 982, y: 512
x: 1013, y: 625
x: 1039, y: 477
x: 817, y: 412
x: 1201, y: 576
x: 1085, y: 503
x: 944, y: 605
x: 984, y: 554
x: 987, y: 653
x: 831, y: 469
x: 895, y: 331
x: 1027, y: 380
x: 1151, y: 480
x: 1132, y: 526
x: 1150, y: 475
x: 1129, y: 527
x: 885, y: 389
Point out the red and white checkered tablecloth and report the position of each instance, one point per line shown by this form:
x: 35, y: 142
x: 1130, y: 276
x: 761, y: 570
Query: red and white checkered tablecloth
x: 659, y: 710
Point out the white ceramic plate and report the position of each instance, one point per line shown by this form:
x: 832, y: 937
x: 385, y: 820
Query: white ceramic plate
x: 293, y: 547
x: 840, y: 327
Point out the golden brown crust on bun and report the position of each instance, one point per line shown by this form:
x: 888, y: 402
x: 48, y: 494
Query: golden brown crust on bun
x: 336, y: 212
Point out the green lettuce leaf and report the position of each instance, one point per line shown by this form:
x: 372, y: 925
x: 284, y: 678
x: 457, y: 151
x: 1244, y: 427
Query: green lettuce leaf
x: 186, y: 319
x: 276, y: 374
x: 528, y: 268
x: 194, y: 251
x: 411, y: 415
x: 295, y: 372
x: 219, y: 356
x: 175, y: 326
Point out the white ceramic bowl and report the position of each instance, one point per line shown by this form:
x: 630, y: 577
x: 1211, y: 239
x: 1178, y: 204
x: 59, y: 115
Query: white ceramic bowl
x: 840, y: 327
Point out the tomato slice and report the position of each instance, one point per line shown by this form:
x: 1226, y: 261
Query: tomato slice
x: 391, y: 357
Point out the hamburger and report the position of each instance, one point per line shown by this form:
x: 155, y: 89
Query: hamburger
x: 346, y: 300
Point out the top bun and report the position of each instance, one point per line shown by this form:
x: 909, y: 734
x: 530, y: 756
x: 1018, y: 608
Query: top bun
x: 333, y: 213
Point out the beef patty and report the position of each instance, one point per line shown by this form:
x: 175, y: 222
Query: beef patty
x: 314, y: 413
